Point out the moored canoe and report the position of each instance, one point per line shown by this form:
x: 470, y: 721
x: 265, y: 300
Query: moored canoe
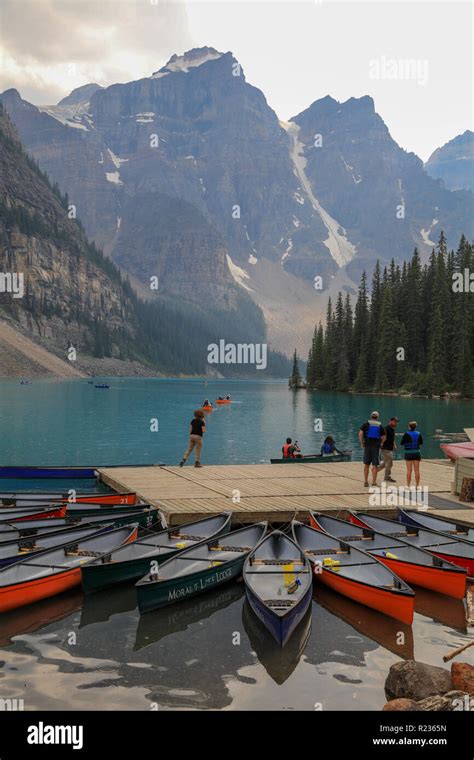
x: 412, y: 564
x: 19, y: 549
x: 201, y: 568
x: 40, y: 512
x: 433, y: 522
x: 56, y: 570
x: 355, y: 573
x: 451, y: 548
x: 145, y: 518
x: 278, y: 583
x: 134, y: 560
x: 30, y: 499
x: 345, y: 456
x: 48, y: 472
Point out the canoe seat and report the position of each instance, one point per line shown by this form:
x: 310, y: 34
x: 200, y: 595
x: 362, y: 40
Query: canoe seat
x: 351, y: 538
x: 74, y: 552
x: 230, y: 548
x: 275, y: 562
x: 325, y: 552
x: 280, y: 604
x: 188, y: 537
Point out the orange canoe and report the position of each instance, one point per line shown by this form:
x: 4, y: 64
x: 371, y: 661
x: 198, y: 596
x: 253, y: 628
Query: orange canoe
x: 412, y: 564
x: 223, y: 401
x: 355, y: 573
x: 57, y: 570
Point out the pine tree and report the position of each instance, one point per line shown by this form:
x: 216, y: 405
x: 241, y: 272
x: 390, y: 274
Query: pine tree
x: 295, y: 379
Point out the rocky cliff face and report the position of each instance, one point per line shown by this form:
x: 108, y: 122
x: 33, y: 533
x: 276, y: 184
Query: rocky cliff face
x: 65, y: 294
x: 454, y: 162
x: 381, y: 195
x: 189, y: 175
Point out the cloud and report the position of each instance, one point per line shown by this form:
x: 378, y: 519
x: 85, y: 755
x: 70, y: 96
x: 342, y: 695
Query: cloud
x: 49, y: 47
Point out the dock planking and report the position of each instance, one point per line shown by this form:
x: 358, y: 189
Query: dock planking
x: 277, y: 493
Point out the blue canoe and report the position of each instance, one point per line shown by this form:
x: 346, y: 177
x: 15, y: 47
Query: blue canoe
x: 279, y: 583
x: 47, y: 472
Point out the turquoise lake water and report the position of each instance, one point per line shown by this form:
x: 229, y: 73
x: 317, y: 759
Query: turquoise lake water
x: 71, y: 422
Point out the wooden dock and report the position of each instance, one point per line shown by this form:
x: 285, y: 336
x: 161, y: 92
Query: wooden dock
x: 277, y: 493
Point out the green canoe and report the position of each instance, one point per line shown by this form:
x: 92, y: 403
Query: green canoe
x: 344, y: 456
x: 199, y: 569
x: 136, y: 560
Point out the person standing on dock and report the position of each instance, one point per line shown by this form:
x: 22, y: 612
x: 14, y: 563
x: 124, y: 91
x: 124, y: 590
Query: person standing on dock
x: 388, y: 447
x: 196, y: 431
x: 372, y: 437
x: 411, y: 442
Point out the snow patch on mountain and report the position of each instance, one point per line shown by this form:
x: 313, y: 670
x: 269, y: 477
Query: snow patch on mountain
x: 71, y: 115
x: 350, y: 169
x: 114, y: 177
x: 425, y: 234
x: 336, y: 242
x: 117, y: 162
x: 189, y: 60
x: 238, y: 273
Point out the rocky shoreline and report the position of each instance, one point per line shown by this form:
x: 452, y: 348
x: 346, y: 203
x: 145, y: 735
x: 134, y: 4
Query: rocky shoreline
x: 416, y: 686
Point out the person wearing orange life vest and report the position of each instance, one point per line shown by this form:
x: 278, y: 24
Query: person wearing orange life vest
x: 372, y: 436
x: 411, y: 442
x: 290, y: 449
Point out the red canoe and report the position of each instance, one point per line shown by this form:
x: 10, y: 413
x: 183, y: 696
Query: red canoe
x: 31, y: 513
x: 355, y: 573
x: 450, y: 548
x: 26, y: 499
x: 416, y: 566
x: 455, y: 451
x: 56, y: 570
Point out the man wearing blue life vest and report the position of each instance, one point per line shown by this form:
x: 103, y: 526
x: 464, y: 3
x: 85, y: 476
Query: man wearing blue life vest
x: 411, y: 442
x: 372, y: 436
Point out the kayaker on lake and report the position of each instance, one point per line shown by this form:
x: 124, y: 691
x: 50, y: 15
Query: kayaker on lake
x: 196, y: 430
x: 207, y: 403
x: 411, y: 442
x: 388, y: 448
x: 329, y: 446
x: 372, y: 437
x: 290, y: 450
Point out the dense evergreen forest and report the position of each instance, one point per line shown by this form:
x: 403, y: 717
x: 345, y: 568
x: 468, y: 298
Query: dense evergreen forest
x: 412, y: 331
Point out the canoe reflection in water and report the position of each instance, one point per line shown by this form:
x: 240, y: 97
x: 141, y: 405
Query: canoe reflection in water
x: 372, y: 624
x: 177, y: 618
x: 278, y: 662
x: 36, y: 616
x: 102, y: 606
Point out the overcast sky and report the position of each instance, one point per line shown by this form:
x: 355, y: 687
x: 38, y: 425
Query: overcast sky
x: 296, y: 52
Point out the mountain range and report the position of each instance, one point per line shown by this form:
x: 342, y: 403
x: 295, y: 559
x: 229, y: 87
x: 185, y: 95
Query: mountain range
x: 189, y: 176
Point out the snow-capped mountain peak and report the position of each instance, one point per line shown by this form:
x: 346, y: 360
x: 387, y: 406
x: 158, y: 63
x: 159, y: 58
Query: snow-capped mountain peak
x: 189, y: 60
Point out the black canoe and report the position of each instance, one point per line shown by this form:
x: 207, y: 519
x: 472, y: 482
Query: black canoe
x: 201, y: 568
x: 146, y: 518
x: 132, y: 561
x: 278, y: 582
x: 355, y: 573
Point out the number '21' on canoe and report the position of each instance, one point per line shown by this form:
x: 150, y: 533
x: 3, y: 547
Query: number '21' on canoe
x: 355, y: 573
x: 56, y: 570
x: 278, y: 583
x: 199, y: 569
x: 413, y: 565
x: 132, y: 561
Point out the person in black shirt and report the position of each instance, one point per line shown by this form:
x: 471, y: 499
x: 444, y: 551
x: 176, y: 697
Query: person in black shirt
x: 196, y: 430
x: 388, y: 447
